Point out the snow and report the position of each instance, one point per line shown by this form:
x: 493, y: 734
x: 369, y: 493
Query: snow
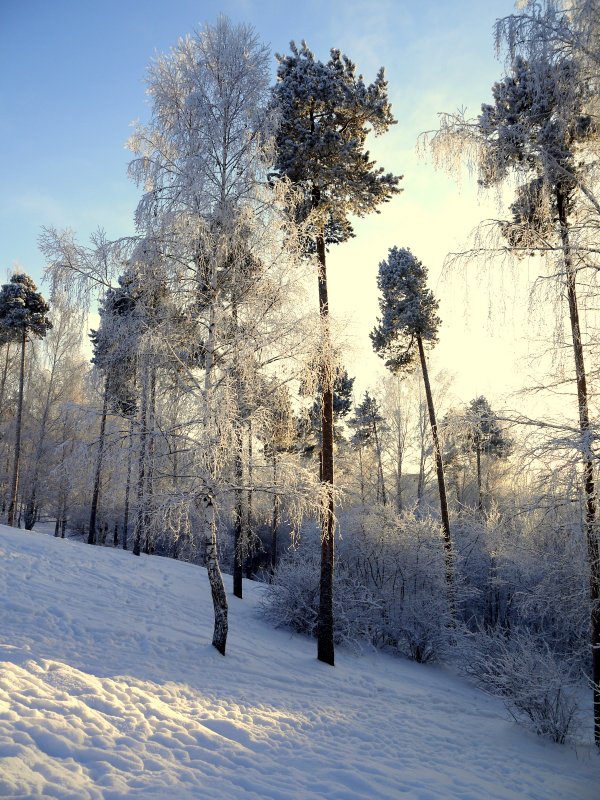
x: 109, y: 688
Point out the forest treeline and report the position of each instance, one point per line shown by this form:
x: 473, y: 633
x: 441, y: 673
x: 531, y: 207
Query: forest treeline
x: 217, y: 421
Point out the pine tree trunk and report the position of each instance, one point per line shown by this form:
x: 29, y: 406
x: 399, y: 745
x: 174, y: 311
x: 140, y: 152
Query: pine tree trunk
x: 439, y: 467
x: 98, y: 472
x: 325, y: 647
x: 586, y: 455
x: 14, y: 488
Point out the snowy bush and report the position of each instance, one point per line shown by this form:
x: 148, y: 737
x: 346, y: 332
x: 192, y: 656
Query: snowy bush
x: 389, y: 591
x: 538, y: 687
x: 292, y: 599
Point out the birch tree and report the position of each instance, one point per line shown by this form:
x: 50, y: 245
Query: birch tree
x: 198, y: 160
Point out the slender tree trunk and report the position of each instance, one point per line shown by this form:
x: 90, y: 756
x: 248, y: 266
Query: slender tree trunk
x: 128, y: 487
x: 362, y: 476
x: 276, y: 513
x: 248, y: 538
x: 98, y: 472
x: 215, y: 577
x: 4, y: 374
x: 586, y: 455
x: 325, y: 647
x: 14, y: 489
x: 399, y: 459
x: 150, y: 447
x: 238, y: 547
x: 380, y: 479
x: 439, y: 467
x: 140, y: 515
x: 479, y: 488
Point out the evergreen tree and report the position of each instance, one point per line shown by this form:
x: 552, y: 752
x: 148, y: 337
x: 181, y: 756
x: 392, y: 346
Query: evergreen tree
x: 23, y: 315
x: 326, y: 112
x: 368, y: 424
x: 409, y: 321
x: 485, y: 436
x: 114, y: 344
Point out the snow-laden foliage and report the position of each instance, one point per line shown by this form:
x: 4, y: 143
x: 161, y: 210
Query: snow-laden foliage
x: 23, y: 310
x: 408, y: 310
x: 390, y: 589
x: 325, y: 113
x: 213, y: 82
x: 528, y: 126
x: 533, y: 682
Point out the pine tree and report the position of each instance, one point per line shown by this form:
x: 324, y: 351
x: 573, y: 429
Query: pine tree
x: 485, y: 436
x: 409, y: 321
x: 23, y: 315
x: 115, y: 344
x: 368, y: 424
x: 326, y: 112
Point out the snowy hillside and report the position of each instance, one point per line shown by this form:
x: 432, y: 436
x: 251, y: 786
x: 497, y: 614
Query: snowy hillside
x: 109, y: 688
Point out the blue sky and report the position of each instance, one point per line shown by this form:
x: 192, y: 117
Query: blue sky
x: 72, y: 82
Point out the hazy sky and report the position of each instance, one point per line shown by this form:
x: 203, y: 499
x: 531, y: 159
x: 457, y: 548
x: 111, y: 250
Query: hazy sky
x: 72, y: 81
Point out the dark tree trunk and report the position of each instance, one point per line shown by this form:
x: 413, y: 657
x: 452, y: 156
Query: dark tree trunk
x: 14, y: 488
x: 439, y: 467
x: 586, y: 455
x: 325, y: 648
x: 98, y: 472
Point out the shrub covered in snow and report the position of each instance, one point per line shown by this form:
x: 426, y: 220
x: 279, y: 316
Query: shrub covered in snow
x: 537, y: 686
x: 390, y: 588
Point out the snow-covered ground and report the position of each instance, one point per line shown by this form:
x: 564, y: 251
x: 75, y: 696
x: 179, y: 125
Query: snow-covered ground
x: 109, y: 688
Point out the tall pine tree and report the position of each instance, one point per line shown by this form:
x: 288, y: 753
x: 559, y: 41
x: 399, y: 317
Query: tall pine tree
x: 408, y: 322
x: 326, y: 112
x: 23, y: 315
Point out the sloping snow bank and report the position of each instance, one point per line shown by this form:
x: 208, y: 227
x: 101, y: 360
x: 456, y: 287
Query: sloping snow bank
x: 109, y: 688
